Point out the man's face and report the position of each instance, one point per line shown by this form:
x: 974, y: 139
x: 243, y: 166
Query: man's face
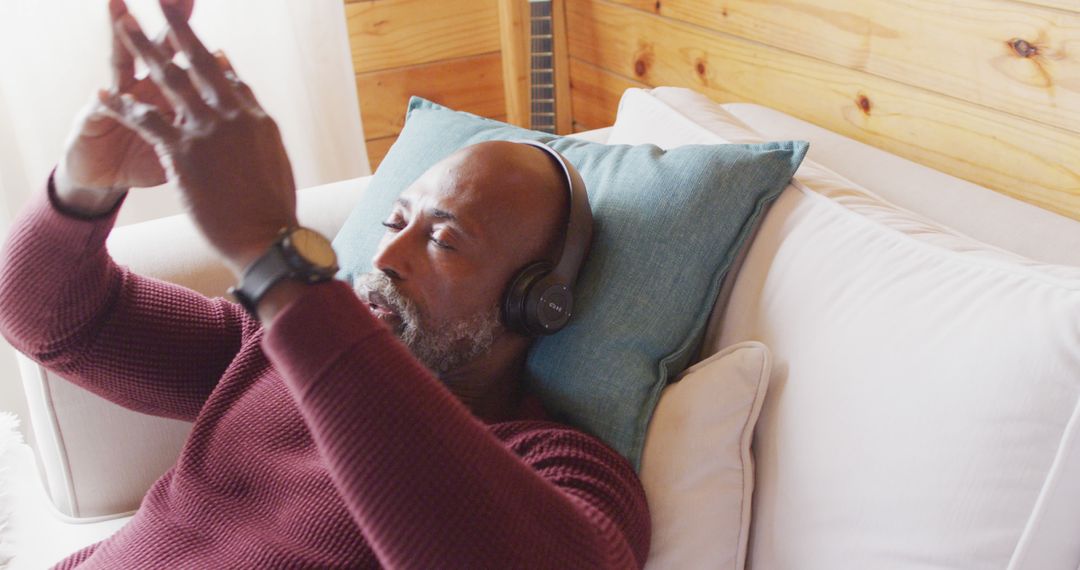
x: 441, y: 345
x: 453, y: 241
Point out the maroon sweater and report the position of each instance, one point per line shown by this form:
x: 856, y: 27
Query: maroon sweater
x: 317, y: 443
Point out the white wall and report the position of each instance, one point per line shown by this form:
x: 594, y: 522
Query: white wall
x: 54, y: 55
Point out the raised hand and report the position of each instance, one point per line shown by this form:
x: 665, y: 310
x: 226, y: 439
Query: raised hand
x: 102, y: 158
x: 223, y: 151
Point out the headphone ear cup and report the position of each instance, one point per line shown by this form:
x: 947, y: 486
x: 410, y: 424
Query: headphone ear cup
x: 548, y: 306
x: 536, y: 303
x: 515, y: 302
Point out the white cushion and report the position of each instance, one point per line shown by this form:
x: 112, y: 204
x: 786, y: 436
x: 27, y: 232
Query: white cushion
x: 673, y: 116
x: 697, y: 468
x: 33, y: 534
x: 923, y: 392
x: 923, y: 401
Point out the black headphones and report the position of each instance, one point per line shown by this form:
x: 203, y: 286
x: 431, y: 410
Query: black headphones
x: 540, y: 298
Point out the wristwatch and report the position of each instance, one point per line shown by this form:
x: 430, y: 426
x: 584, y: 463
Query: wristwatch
x: 298, y: 253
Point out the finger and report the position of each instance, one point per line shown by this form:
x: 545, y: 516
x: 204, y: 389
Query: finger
x: 223, y: 62
x: 117, y: 8
x: 243, y: 92
x: 204, y: 66
x: 164, y: 46
x: 146, y: 120
x: 183, y: 7
x: 169, y: 77
x: 121, y: 61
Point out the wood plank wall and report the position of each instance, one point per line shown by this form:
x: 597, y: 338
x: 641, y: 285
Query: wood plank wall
x: 447, y: 52
x: 987, y: 90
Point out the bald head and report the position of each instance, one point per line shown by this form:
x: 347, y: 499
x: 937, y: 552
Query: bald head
x: 517, y: 189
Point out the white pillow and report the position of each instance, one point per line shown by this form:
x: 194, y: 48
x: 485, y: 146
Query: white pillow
x: 697, y: 468
x: 923, y: 409
x: 673, y: 116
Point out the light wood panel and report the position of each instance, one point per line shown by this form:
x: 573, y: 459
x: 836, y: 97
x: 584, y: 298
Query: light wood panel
x: 513, y: 38
x: 386, y: 34
x: 447, y: 52
x: 1030, y: 160
x: 561, y: 56
x: 377, y: 149
x: 1010, y: 56
x: 646, y: 5
x: 472, y: 84
x: 1067, y: 5
x: 595, y: 94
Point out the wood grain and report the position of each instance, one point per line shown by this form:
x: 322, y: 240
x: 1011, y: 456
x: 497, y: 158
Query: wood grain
x: 1067, y: 5
x: 513, y: 39
x: 472, y: 84
x: 385, y: 34
x: 595, y: 94
x: 561, y: 57
x: 1014, y: 57
x: 377, y: 149
x: 646, y: 5
x: 1036, y: 162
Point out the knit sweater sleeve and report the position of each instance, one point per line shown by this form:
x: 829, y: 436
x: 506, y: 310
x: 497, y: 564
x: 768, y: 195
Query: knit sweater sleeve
x: 148, y: 345
x: 431, y: 486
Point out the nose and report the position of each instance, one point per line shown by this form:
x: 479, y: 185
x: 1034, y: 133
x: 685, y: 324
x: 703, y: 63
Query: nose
x: 392, y: 258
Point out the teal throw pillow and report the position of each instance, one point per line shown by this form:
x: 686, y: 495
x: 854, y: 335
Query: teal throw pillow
x: 668, y: 225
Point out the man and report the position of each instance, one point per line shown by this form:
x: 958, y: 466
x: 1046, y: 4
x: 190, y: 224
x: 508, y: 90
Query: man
x: 319, y: 440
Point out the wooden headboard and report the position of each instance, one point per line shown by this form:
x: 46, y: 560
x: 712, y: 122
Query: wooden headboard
x: 986, y: 90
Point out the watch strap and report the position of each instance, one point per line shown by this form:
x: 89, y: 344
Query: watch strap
x: 260, y: 276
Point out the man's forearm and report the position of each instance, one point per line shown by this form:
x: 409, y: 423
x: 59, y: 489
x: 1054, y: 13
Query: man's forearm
x: 66, y: 304
x: 84, y: 202
x: 47, y: 256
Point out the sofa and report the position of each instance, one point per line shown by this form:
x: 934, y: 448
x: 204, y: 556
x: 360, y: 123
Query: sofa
x: 915, y: 402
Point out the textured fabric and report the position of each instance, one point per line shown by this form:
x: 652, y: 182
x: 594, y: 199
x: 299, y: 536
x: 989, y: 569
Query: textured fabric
x: 667, y: 227
x: 697, y: 469
x: 317, y: 443
x: 923, y: 408
x: 99, y: 459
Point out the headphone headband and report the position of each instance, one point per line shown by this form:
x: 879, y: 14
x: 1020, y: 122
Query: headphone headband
x: 540, y: 299
x: 579, y: 222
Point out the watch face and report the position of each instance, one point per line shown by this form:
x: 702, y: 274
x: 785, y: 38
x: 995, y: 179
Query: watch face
x: 313, y: 247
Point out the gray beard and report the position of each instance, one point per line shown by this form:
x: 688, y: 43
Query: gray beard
x: 440, y: 346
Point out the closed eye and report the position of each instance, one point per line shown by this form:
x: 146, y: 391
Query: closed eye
x: 441, y: 244
x: 394, y: 225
